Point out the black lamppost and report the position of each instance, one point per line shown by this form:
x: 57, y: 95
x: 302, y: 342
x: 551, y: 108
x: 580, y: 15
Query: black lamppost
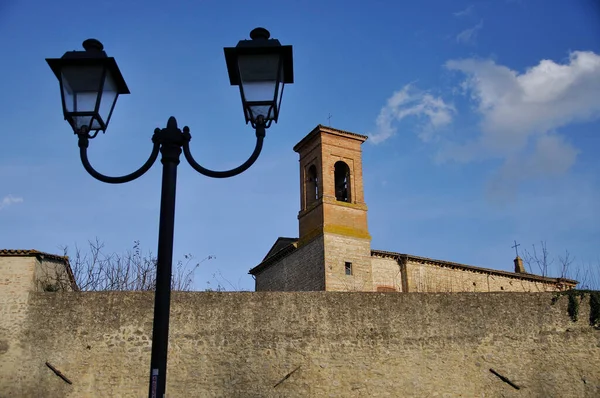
x: 90, y: 83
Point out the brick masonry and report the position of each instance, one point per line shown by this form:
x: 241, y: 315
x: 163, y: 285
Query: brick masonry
x: 294, y: 344
x: 338, y: 232
x: 322, y: 148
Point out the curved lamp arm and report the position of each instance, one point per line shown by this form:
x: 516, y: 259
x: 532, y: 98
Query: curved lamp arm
x: 260, y: 135
x: 83, y: 145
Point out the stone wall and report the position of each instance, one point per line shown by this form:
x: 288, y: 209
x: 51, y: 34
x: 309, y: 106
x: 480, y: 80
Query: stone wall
x: 301, y: 270
x: 381, y: 273
x: 51, y: 275
x: 341, y: 249
x: 432, y: 278
x: 327, y: 344
x: 386, y: 274
x: 16, y: 283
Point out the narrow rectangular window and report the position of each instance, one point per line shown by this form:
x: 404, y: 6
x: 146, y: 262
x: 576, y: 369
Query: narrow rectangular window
x: 348, y: 267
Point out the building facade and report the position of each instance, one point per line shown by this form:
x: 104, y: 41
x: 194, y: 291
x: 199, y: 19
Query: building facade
x: 333, y: 251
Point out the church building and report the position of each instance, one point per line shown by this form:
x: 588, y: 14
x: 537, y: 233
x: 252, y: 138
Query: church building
x: 333, y: 249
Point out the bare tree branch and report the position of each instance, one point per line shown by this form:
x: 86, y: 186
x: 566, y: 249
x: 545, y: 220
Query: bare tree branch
x: 587, y: 274
x: 539, y: 258
x: 95, y: 270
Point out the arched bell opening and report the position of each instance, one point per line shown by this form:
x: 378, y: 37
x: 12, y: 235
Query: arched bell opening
x: 342, y: 181
x: 312, y: 185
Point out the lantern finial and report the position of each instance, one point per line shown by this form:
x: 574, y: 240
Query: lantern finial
x: 93, y: 45
x: 260, y: 34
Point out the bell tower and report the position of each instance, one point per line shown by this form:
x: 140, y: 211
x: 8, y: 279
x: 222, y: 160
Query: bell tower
x: 332, y: 206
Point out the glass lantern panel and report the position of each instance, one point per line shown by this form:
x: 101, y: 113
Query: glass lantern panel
x: 258, y: 67
x: 260, y: 110
x: 81, y: 87
x: 279, y: 96
x: 109, y: 96
x: 91, y: 122
x: 258, y: 75
x: 84, y: 121
x: 81, y: 90
x: 259, y: 92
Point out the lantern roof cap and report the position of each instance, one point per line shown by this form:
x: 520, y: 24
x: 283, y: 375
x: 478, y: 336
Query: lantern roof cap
x: 93, y: 54
x: 260, y: 43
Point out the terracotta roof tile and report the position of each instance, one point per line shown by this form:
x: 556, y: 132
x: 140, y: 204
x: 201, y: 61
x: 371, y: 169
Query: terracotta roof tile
x: 41, y: 255
x: 326, y: 129
x: 450, y: 264
x: 33, y: 253
x: 284, y: 246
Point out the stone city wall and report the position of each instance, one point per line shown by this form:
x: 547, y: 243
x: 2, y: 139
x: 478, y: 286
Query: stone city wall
x: 302, y: 344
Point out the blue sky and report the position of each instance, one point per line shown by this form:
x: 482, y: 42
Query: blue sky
x: 484, y: 120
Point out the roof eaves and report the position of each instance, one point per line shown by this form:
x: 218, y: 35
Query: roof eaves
x: 42, y: 255
x: 326, y: 129
x: 284, y: 252
x: 32, y: 253
x: 282, y: 239
x: 450, y: 264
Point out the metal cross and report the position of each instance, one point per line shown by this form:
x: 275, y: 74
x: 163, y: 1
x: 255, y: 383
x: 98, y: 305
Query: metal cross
x: 516, y: 248
x: 329, y: 115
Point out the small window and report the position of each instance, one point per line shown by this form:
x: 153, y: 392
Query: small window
x: 348, y: 268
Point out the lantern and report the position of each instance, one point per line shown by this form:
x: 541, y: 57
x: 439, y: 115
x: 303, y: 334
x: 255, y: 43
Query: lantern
x: 260, y: 67
x: 90, y: 83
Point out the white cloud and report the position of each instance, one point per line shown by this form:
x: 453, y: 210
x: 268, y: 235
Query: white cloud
x: 463, y: 13
x: 432, y: 111
x: 469, y: 36
x: 522, y: 111
x: 551, y: 157
x: 9, y: 200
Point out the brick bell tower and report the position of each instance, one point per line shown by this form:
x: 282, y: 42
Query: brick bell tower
x: 333, y: 208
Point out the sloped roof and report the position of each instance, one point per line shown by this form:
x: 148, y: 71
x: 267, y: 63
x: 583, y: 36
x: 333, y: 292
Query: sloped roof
x: 41, y: 256
x: 280, y: 249
x: 279, y: 244
x: 33, y: 253
x: 284, y: 246
x: 472, y: 268
x: 331, y: 130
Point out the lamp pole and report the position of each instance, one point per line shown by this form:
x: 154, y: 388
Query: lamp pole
x: 91, y: 74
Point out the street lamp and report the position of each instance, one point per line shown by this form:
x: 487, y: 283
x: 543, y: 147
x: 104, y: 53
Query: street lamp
x: 90, y: 83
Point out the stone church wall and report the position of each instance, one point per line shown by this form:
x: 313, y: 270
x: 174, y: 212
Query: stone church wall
x: 312, y: 344
x: 433, y: 278
x: 341, y: 249
x: 386, y: 274
x: 302, y: 270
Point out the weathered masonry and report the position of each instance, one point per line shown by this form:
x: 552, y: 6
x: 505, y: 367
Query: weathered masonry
x: 301, y: 344
x: 333, y: 251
